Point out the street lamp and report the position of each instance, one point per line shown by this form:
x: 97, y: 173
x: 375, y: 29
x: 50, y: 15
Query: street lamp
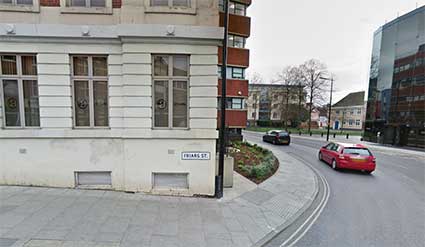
x: 330, y: 105
x: 222, y: 136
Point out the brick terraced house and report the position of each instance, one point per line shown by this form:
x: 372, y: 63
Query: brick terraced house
x: 111, y: 94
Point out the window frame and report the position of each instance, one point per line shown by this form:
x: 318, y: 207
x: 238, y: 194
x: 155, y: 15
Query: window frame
x: 90, y: 78
x: 232, y: 41
x: 107, y: 10
x: 170, y: 78
x: 19, y: 78
x: 14, y: 7
x: 233, y: 73
x: 235, y: 4
x: 171, y: 4
x: 191, y: 9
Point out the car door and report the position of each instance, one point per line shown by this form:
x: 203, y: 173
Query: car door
x: 271, y: 135
x: 333, y: 153
x: 326, y: 153
x: 268, y: 136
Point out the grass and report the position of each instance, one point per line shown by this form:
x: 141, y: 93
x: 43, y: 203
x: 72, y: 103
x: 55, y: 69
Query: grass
x: 305, y: 131
x: 253, y: 161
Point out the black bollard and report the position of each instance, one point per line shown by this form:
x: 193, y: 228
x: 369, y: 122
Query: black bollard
x: 347, y: 136
x: 334, y: 135
x: 311, y: 133
x: 321, y: 135
x: 300, y: 132
x: 289, y: 132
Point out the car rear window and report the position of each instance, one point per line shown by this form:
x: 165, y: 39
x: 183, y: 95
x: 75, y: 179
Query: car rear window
x: 283, y: 134
x: 357, y: 151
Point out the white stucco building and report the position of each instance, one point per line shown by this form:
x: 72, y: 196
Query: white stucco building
x: 120, y: 95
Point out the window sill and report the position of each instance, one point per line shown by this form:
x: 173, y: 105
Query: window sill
x: 84, y: 10
x: 20, y: 8
x: 170, y: 10
x: 21, y: 128
x: 91, y: 128
x: 174, y: 129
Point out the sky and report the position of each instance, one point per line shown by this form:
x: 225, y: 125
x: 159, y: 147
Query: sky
x: 337, y: 32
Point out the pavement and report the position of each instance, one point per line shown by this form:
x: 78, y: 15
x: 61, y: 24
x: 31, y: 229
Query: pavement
x: 383, y: 209
x: 248, y: 215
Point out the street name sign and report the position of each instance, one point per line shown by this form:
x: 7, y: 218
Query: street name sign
x: 196, y: 156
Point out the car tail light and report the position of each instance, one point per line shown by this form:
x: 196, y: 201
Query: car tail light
x: 341, y: 157
x: 374, y: 160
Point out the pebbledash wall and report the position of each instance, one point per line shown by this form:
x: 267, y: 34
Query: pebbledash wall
x: 130, y: 148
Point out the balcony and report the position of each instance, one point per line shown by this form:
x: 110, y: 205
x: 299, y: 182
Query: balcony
x: 234, y: 118
x: 234, y: 87
x: 240, y: 25
x: 236, y: 56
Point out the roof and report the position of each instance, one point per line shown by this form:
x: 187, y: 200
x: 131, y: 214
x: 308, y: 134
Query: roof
x: 351, y: 99
x: 350, y: 145
x: 251, y: 85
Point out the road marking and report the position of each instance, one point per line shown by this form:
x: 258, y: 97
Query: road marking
x: 316, y: 213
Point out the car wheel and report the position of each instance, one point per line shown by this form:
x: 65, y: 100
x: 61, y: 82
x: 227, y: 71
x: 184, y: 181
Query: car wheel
x: 320, y: 156
x: 334, y: 165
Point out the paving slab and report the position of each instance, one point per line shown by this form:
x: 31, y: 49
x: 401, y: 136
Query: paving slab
x: 35, y: 216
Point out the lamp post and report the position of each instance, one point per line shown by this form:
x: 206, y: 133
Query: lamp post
x: 222, y: 138
x: 330, y: 105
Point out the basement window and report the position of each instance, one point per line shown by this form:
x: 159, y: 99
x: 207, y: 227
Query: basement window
x: 102, y: 178
x: 170, y: 181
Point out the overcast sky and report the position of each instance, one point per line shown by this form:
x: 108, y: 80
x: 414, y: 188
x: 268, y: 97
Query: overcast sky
x: 337, y: 32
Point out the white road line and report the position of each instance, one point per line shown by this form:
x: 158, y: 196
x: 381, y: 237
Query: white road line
x: 318, y: 210
x: 316, y: 216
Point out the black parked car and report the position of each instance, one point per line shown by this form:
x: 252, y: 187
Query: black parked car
x: 277, y: 137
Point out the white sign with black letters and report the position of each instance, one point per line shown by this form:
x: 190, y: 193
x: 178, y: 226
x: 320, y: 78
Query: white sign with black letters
x: 196, y: 155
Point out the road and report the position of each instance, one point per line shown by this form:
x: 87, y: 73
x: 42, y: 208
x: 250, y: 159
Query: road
x: 386, y: 208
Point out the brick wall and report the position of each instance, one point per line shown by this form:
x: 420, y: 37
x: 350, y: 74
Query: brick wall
x: 50, y: 3
x: 116, y: 3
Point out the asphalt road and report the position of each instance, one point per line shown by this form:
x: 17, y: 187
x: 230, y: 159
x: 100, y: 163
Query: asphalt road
x: 386, y: 208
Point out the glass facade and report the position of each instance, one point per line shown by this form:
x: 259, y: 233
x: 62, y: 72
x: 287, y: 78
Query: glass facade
x: 396, y: 97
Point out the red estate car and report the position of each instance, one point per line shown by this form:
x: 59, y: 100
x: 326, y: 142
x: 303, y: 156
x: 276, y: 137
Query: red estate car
x: 348, y: 156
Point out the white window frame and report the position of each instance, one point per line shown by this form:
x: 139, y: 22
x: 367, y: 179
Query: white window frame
x: 19, y: 78
x: 14, y: 7
x: 358, y: 122
x: 221, y: 7
x: 170, y: 78
x: 237, y: 4
x: 170, y: 9
x: 90, y: 79
x: 231, y: 42
x: 171, y: 4
x: 107, y: 10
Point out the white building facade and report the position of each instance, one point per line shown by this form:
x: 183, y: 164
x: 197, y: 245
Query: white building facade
x: 120, y: 98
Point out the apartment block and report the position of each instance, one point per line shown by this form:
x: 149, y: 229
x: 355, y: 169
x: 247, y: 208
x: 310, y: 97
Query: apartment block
x: 237, y: 61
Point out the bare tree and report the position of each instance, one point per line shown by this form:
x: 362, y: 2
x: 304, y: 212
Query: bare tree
x: 254, y: 95
x: 286, y: 78
x: 255, y: 78
x: 311, y: 71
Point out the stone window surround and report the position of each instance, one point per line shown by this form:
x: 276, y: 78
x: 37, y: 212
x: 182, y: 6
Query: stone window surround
x: 84, y: 10
x: 35, y: 7
x: 170, y: 10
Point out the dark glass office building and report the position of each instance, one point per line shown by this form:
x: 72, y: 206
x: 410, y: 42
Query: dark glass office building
x: 396, y: 97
